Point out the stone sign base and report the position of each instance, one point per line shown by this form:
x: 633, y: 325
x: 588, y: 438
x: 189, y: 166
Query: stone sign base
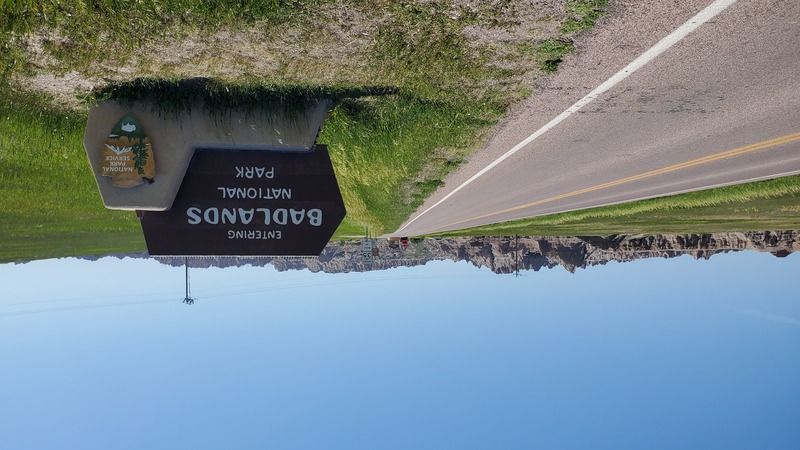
x: 174, y: 139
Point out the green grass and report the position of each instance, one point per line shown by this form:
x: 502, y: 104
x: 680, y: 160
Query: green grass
x: 550, y: 53
x: 380, y: 148
x: 50, y: 204
x: 581, y: 15
x: 416, y: 46
x: 91, y: 29
x: 392, y: 144
x: 175, y: 96
x: 391, y: 152
x: 765, y: 205
x: 414, y: 95
x: 378, y: 144
x: 72, y: 243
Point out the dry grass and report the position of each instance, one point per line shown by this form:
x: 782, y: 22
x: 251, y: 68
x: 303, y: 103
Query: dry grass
x: 412, y: 44
x: 454, y: 68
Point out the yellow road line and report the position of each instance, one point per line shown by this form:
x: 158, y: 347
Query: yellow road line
x: 695, y: 162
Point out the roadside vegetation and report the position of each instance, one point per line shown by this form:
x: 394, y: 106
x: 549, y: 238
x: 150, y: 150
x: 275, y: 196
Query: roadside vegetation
x: 417, y: 86
x: 581, y: 15
x: 764, y: 205
x: 50, y: 205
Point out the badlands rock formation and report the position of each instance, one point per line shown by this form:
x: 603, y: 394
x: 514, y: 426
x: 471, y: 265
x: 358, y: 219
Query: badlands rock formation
x: 508, y: 254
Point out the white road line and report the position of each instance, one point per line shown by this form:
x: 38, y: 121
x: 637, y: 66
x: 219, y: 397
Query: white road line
x: 679, y: 33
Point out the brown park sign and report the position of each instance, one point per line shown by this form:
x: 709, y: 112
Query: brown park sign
x: 250, y: 203
x: 127, y: 155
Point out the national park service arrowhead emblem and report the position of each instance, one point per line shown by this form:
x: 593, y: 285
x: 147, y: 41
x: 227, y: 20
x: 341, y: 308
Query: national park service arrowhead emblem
x: 127, y: 155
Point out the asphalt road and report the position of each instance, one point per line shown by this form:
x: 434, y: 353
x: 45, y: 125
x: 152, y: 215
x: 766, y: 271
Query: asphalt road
x: 720, y: 106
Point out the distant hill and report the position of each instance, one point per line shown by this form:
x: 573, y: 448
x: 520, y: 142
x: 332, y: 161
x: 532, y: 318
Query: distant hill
x: 508, y: 254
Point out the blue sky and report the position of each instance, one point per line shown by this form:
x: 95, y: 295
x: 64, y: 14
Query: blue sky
x: 652, y: 354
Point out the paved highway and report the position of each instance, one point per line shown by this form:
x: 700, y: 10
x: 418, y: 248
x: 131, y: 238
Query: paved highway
x: 665, y: 97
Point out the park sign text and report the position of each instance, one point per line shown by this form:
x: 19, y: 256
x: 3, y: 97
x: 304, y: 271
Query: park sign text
x: 250, y: 203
